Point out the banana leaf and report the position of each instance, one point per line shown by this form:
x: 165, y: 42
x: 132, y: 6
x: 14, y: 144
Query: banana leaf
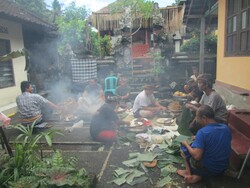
x: 164, y: 181
x: 16, y: 54
x: 147, y: 157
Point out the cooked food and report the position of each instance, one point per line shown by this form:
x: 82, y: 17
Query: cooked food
x: 119, y: 110
x: 179, y: 94
x: 136, y: 122
x: 174, y: 106
x: 139, y: 122
x: 166, y: 121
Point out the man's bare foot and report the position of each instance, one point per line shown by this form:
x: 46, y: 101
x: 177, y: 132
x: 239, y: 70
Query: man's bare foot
x: 183, y: 173
x: 192, y: 178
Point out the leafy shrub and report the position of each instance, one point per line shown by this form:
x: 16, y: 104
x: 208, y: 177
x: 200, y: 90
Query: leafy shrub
x: 104, y: 46
x: 28, y: 169
x: 193, y: 44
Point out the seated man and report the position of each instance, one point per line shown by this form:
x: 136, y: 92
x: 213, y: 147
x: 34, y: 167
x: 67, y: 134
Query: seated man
x: 92, y: 98
x: 209, y: 153
x: 104, y: 123
x: 145, y: 104
x: 210, y: 98
x: 192, y: 90
x: 123, y: 91
x: 32, y: 106
x: 195, y: 73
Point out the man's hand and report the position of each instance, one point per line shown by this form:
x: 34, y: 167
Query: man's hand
x: 188, y: 105
x: 184, y: 143
x: 192, y: 106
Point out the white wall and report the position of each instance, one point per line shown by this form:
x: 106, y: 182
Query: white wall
x: 8, y: 95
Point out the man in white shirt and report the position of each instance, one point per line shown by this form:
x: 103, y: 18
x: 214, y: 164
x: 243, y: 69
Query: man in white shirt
x: 145, y: 104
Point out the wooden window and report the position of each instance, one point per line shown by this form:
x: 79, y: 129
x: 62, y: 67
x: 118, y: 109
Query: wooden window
x: 238, y: 28
x: 6, y: 67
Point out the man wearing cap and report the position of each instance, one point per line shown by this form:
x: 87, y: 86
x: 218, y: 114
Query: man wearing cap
x: 210, y: 98
x: 145, y: 104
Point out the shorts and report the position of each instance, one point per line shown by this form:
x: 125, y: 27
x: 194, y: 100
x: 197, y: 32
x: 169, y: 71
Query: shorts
x: 106, y: 136
x: 198, y: 169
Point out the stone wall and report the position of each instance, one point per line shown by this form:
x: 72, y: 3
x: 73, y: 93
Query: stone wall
x: 232, y: 98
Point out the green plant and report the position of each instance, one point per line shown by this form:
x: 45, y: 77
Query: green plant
x: 139, y: 9
x: 26, y: 154
x: 29, y: 170
x: 165, y: 43
x: 73, y: 28
x: 158, y: 68
x: 104, y: 46
x: 193, y: 44
x: 54, y: 171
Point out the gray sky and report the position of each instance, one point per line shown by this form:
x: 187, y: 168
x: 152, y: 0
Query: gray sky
x: 95, y: 5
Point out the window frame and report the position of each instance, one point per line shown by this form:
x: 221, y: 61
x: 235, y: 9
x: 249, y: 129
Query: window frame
x: 8, y: 64
x: 234, y: 9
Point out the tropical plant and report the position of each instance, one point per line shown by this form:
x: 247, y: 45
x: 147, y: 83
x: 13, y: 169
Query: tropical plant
x: 56, y: 172
x: 176, y: 2
x: 158, y: 68
x: 26, y: 152
x: 73, y: 28
x: 138, y: 8
x: 38, y: 7
x: 193, y: 44
x: 95, y: 43
x: 56, y: 10
x: 133, y: 10
x: 29, y: 169
x: 104, y: 45
x: 163, y: 41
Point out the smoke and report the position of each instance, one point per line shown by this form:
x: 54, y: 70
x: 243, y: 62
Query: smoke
x: 59, y: 91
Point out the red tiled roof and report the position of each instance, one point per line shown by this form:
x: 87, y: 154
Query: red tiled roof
x: 13, y: 10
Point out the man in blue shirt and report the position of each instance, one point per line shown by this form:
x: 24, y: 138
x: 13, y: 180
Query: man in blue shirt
x: 209, y: 154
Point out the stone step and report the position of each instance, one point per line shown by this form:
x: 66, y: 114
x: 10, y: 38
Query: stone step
x: 240, y: 120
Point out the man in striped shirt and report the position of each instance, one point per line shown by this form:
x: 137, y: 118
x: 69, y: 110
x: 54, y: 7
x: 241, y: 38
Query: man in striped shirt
x: 30, y: 105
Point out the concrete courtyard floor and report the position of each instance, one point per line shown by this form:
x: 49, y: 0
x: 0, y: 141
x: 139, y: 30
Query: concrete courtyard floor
x: 102, y: 163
